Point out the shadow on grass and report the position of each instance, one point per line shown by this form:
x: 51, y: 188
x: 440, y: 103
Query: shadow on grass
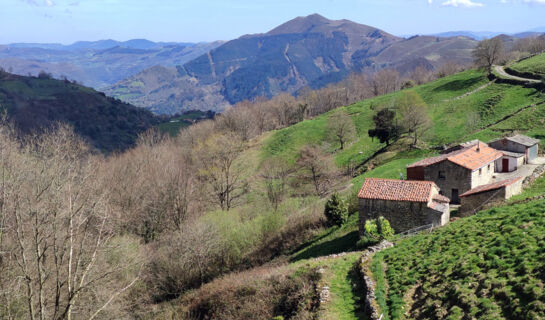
x: 342, y: 244
x: 457, y: 85
x: 354, y: 278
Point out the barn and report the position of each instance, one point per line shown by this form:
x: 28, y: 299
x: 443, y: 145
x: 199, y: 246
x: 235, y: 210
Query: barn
x: 474, y: 199
x: 518, y: 144
x: 406, y: 204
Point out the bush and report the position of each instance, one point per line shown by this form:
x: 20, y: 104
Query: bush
x: 375, y: 231
x: 336, y: 211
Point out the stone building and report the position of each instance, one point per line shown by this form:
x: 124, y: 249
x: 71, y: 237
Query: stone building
x: 474, y: 199
x: 457, y: 172
x: 406, y: 204
x: 518, y: 144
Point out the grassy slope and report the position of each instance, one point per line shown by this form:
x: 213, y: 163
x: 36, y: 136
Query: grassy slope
x: 535, y: 64
x: 449, y: 117
x: 489, y: 266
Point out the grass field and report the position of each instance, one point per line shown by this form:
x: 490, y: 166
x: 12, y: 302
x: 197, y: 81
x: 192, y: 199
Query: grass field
x: 489, y: 266
x: 535, y: 65
x: 453, y: 120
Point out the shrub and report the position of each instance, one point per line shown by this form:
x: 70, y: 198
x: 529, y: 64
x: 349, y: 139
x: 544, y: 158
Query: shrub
x: 375, y: 231
x: 336, y: 211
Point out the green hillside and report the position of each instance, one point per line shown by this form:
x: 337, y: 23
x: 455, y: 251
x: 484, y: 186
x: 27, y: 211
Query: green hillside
x: 534, y: 65
x: 33, y: 103
x: 488, y: 266
x: 480, y: 114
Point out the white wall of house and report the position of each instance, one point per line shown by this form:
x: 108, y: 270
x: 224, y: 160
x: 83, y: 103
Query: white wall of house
x: 482, y: 175
x: 514, y: 163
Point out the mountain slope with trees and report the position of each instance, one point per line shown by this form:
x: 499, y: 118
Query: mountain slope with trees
x: 36, y: 103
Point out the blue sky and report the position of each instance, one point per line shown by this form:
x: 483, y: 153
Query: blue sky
x: 66, y: 21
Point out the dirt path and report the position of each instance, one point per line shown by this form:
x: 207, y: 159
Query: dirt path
x: 471, y: 92
x: 503, y: 73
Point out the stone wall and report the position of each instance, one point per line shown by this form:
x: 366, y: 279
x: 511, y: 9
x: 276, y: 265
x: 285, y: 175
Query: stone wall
x: 372, y: 308
x: 473, y: 203
x: 402, y: 215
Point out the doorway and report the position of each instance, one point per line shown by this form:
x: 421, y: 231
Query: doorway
x: 505, y: 165
x: 455, y: 198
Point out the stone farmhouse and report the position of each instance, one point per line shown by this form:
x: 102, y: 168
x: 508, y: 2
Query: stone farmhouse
x: 406, y: 204
x: 517, y: 145
x: 459, y: 171
x: 469, y: 174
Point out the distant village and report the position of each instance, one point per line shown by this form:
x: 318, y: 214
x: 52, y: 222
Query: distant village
x: 466, y: 177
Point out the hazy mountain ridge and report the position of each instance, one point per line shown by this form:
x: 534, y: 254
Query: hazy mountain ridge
x: 306, y: 51
x: 100, y: 63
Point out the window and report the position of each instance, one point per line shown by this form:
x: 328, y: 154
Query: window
x: 488, y: 167
x: 480, y: 171
x: 441, y: 175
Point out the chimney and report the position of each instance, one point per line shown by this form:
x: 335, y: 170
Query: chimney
x: 478, y: 146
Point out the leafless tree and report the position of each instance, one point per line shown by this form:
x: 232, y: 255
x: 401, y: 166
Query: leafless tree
x: 217, y: 157
x: 60, y: 236
x: 385, y: 81
x: 413, y: 112
x: 488, y: 52
x: 275, y: 173
x: 317, y: 167
x: 340, y: 128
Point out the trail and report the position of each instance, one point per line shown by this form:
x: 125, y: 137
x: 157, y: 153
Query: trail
x: 471, y: 92
x: 503, y: 73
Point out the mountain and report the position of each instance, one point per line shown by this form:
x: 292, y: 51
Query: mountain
x: 33, y: 103
x: 99, y: 63
x: 306, y: 51
x: 490, y: 34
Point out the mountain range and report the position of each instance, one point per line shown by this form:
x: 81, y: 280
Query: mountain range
x: 306, y: 51
x: 100, y: 63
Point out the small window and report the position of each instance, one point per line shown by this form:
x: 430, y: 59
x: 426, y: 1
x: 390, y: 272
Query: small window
x: 480, y: 171
x: 489, y: 167
x: 442, y: 175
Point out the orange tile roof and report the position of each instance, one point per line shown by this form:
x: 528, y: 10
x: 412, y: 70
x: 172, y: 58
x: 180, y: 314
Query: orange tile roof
x: 468, y: 158
x: 476, y: 157
x: 492, y: 186
x: 396, y: 190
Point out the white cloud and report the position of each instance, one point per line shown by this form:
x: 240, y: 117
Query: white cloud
x: 47, y: 3
x: 463, y: 3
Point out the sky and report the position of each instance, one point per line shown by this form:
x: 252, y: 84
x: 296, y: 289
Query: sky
x: 67, y: 21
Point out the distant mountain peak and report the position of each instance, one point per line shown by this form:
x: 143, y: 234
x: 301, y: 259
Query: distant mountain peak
x: 300, y: 24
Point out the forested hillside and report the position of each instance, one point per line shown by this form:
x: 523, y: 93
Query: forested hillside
x: 36, y: 103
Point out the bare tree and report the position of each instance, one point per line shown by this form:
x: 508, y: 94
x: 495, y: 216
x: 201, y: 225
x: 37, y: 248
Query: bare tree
x: 340, y: 128
x: 488, y: 52
x: 317, y: 167
x: 385, y: 81
x: 420, y: 75
x: 413, y: 112
x: 217, y: 157
x: 60, y: 236
x: 448, y: 68
x: 275, y: 173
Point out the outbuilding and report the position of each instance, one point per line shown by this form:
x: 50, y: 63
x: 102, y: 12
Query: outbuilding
x: 510, y: 161
x: 406, y: 204
x: 518, y: 144
x: 475, y: 199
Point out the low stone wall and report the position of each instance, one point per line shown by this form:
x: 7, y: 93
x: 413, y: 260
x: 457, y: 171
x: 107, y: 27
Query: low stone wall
x: 371, y: 306
x: 538, y: 172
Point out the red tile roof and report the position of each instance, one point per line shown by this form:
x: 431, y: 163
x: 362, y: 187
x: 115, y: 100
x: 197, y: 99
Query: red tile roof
x: 492, y: 186
x: 471, y: 158
x: 396, y: 190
